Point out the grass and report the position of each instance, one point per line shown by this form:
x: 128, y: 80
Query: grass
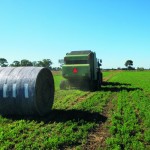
x: 130, y: 120
x: 76, y: 114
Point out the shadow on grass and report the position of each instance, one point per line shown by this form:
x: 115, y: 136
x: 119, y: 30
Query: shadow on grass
x: 58, y: 115
x: 117, y: 87
x: 116, y: 84
x: 110, y: 86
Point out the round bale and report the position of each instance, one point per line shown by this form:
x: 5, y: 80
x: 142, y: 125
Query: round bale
x: 26, y: 90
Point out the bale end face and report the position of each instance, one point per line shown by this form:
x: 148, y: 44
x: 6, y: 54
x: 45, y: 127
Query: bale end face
x: 44, y: 90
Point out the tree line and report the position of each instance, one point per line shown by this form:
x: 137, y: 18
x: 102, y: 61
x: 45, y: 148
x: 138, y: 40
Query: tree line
x: 24, y: 62
x: 48, y: 63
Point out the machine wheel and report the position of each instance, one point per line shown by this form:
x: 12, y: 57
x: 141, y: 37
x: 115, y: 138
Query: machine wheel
x: 93, y: 86
x: 101, y: 78
x: 98, y: 84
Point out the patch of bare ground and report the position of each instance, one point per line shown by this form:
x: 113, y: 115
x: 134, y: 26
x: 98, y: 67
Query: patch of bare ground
x: 56, y: 72
x: 97, y: 138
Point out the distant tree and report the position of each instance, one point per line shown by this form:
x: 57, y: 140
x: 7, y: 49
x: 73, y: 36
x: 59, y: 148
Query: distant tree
x: 56, y: 68
x: 47, y: 63
x: 44, y: 63
x: 3, y: 62
x: 35, y: 63
x: 119, y: 68
x: 15, y: 63
x: 25, y: 62
x: 39, y: 63
x: 129, y: 63
x: 140, y: 68
x: 61, y: 61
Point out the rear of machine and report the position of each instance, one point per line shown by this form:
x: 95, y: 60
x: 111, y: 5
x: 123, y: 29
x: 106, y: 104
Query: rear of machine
x: 81, y: 69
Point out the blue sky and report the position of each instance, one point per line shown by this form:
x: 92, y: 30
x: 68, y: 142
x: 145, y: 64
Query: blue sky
x: 117, y: 30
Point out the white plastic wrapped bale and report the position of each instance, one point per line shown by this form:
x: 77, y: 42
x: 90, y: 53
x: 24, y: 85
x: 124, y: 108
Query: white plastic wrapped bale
x: 26, y: 90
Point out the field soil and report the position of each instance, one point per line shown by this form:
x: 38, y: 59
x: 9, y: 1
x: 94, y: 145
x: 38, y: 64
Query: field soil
x: 97, y: 138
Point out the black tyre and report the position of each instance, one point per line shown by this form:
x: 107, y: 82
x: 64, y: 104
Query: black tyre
x: 101, y: 78
x: 98, y: 84
x: 92, y: 86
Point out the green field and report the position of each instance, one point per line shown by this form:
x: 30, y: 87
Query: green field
x: 116, y: 117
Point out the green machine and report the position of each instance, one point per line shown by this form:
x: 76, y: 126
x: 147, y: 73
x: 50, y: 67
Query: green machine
x: 81, y: 69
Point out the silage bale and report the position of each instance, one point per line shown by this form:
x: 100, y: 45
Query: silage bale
x: 26, y: 90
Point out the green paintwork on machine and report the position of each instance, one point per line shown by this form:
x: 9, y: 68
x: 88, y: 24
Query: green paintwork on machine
x: 76, y: 71
x: 81, y: 66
